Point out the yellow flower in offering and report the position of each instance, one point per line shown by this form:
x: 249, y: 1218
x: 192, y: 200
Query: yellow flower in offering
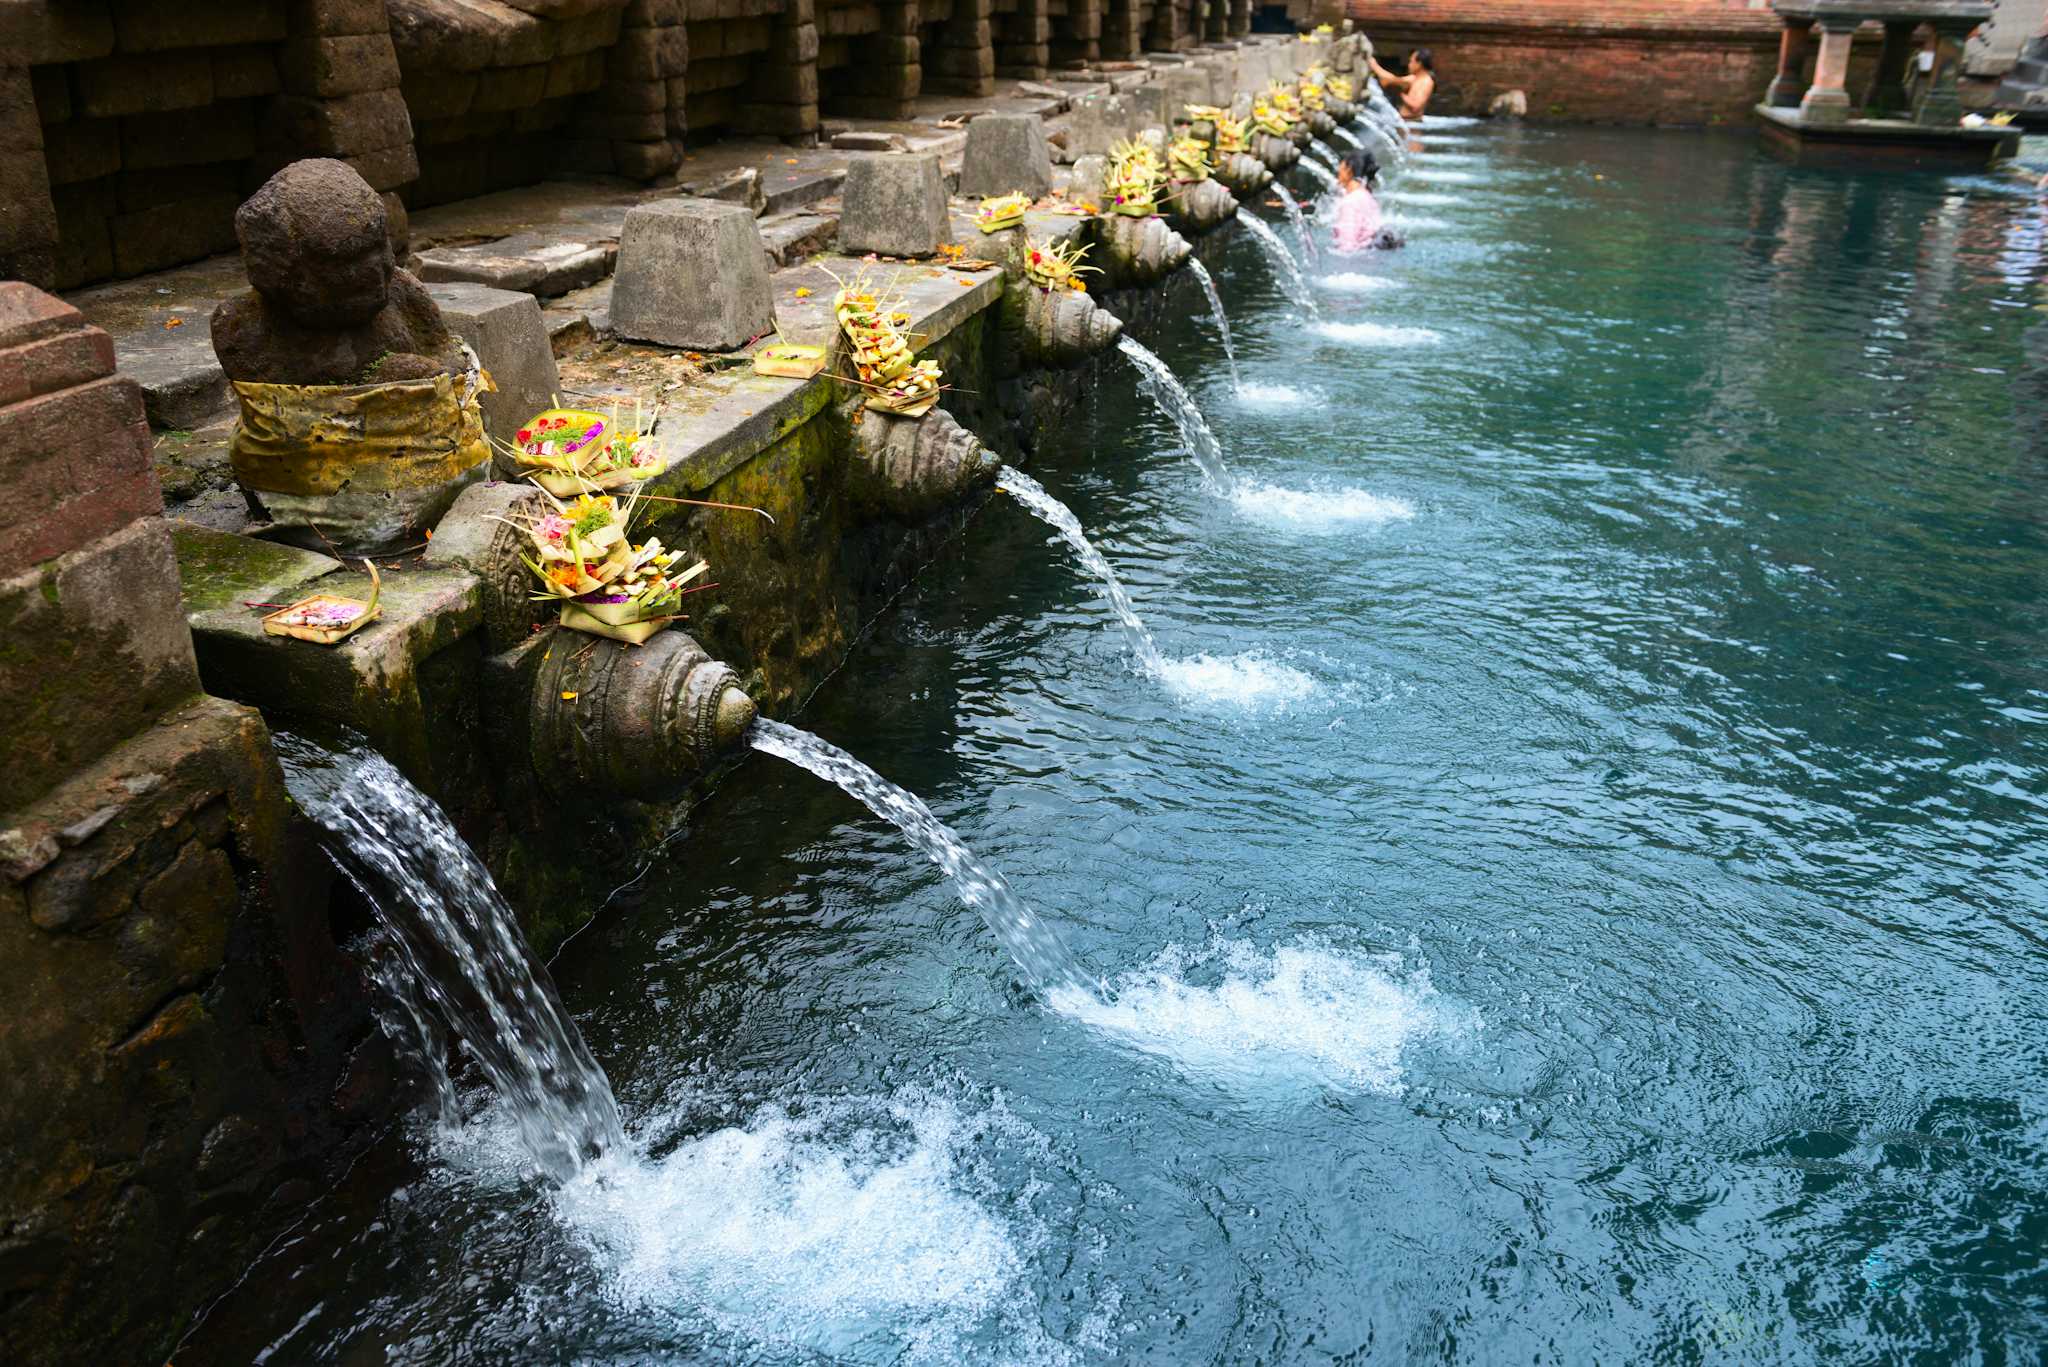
x: 1189, y: 159
x: 1001, y: 211
x: 1055, y: 265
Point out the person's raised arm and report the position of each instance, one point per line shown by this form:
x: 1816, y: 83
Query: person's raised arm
x: 1387, y: 78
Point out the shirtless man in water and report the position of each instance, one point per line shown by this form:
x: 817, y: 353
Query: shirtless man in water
x: 1414, y: 89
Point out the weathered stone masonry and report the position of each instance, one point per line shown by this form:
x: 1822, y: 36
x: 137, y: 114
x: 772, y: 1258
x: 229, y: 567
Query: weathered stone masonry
x: 130, y: 129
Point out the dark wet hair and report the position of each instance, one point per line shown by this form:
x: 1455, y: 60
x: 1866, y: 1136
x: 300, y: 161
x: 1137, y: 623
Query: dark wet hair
x: 1427, y: 58
x: 1364, y: 167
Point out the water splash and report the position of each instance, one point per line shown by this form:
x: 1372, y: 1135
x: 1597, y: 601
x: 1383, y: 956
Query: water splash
x: 852, y: 1228
x: 1036, y: 946
x: 1264, y: 394
x: 1174, y: 400
x: 1320, y: 509
x: 1249, y: 681
x: 460, y: 948
x: 1321, y: 172
x: 1378, y: 334
x: 1061, y: 519
x: 1356, y: 282
x: 1308, y: 1011
x: 1294, y: 216
x: 1291, y: 278
x: 1216, y: 312
x: 1341, y: 131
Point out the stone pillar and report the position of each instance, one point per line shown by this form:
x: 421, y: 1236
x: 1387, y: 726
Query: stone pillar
x: 1887, y: 90
x: 1166, y: 30
x: 1794, y: 41
x: 1122, y: 38
x: 888, y: 66
x: 170, y: 1044
x: 639, y: 109
x: 1240, y: 18
x: 782, y: 97
x: 1941, y: 104
x: 339, y: 74
x: 28, y: 215
x: 1216, y: 25
x: 1023, y: 42
x: 1078, y: 41
x: 965, y: 63
x: 1827, y: 101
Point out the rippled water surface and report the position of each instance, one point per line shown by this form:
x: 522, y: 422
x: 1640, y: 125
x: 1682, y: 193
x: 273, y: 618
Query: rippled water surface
x: 1577, y: 895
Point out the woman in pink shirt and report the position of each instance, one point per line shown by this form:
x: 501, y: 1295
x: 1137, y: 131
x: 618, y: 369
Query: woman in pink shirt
x: 1358, y: 213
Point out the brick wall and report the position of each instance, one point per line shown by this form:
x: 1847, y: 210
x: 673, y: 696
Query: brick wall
x: 1611, y: 61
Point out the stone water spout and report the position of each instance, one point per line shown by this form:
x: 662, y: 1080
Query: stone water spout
x: 1139, y: 251
x: 606, y: 718
x: 1242, y: 173
x: 1341, y: 112
x: 1321, y: 123
x: 1277, y: 153
x: 1048, y: 328
x: 1201, y: 206
x: 914, y: 467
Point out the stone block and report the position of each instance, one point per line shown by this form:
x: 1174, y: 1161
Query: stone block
x: 388, y: 168
x: 654, y: 13
x: 173, y: 234
x: 41, y: 32
x: 591, y: 32
x: 514, y: 87
x: 504, y: 328
x: 645, y: 160
x: 225, y: 131
x: 93, y: 647
x: 349, y: 126
x: 51, y: 87
x: 894, y: 204
x: 1006, y: 154
x: 135, y: 191
x: 337, y: 18
x: 544, y: 264
x: 439, y: 94
x: 114, y: 86
x: 84, y: 149
x: 692, y: 273
x: 243, y: 73
x: 158, y: 25
x: 348, y: 65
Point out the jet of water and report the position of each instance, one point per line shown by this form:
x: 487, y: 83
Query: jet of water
x: 1174, y: 400
x: 1216, y: 312
x: 1036, y: 946
x: 1294, y: 215
x: 1325, y: 151
x: 1061, y: 519
x: 1341, y: 131
x: 461, y: 953
x: 1320, y: 172
x: 1291, y: 278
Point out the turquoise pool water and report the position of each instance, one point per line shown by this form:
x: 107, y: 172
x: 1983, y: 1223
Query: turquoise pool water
x: 1573, y: 893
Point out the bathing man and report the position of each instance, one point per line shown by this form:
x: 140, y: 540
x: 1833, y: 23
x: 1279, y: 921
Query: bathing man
x: 1414, y: 89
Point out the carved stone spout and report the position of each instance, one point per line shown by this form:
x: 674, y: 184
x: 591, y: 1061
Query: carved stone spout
x: 1277, y: 153
x: 1242, y: 174
x: 1056, y: 329
x: 1321, y: 123
x: 1202, y: 206
x: 1342, y: 111
x: 614, y: 720
x: 1139, y: 251
x: 915, y: 467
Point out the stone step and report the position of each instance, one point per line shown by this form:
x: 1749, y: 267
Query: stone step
x: 541, y: 264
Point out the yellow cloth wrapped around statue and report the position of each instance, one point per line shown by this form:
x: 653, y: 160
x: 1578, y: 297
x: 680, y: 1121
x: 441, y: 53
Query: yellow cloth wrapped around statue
x: 370, y: 466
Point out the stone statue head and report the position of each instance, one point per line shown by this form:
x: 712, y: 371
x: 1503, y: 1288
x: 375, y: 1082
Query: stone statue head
x: 314, y: 244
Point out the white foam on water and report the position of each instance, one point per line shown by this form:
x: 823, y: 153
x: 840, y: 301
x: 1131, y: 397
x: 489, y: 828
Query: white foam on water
x: 841, y: 1226
x: 1448, y: 121
x: 1436, y: 177
x: 1378, y: 334
x: 1307, y: 1011
x: 1425, y: 197
x: 1252, y: 681
x: 1355, y: 282
x: 1437, y: 158
x: 1320, y: 509
x: 1414, y: 222
x: 1260, y: 394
